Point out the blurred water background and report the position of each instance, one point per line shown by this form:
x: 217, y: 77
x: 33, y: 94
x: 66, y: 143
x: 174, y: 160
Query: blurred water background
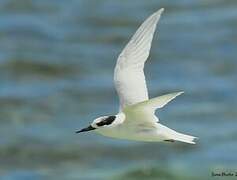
x: 56, y: 65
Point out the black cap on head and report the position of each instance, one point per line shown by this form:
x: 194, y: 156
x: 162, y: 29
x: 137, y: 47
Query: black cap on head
x: 106, y: 121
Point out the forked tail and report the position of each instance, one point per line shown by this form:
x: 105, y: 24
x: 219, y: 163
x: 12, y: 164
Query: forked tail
x: 184, y: 138
x: 172, y: 135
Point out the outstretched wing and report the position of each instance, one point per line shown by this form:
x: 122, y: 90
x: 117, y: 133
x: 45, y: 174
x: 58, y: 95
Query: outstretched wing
x: 147, y: 108
x: 129, y: 76
x: 158, y: 102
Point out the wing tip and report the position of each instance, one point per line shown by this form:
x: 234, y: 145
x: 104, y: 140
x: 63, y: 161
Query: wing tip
x: 175, y: 94
x: 160, y: 11
x: 157, y: 14
x: 180, y: 92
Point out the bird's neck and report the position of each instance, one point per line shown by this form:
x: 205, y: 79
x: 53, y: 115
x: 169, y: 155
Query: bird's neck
x: 120, y: 117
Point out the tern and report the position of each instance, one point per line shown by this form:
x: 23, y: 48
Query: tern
x: 136, y: 119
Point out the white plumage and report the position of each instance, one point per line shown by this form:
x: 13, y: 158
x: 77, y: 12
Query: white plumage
x: 129, y: 77
x: 136, y: 119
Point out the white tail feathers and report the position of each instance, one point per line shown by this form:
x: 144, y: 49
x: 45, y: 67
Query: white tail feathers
x: 184, y: 138
x: 172, y: 135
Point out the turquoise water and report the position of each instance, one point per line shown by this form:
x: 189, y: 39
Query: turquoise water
x: 56, y: 65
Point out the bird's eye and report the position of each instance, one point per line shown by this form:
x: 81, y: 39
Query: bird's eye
x: 106, y: 121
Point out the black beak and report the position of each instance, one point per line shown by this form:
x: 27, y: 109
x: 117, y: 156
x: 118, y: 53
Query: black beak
x: 89, y: 128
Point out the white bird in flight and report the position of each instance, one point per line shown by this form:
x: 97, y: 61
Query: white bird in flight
x: 136, y: 119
